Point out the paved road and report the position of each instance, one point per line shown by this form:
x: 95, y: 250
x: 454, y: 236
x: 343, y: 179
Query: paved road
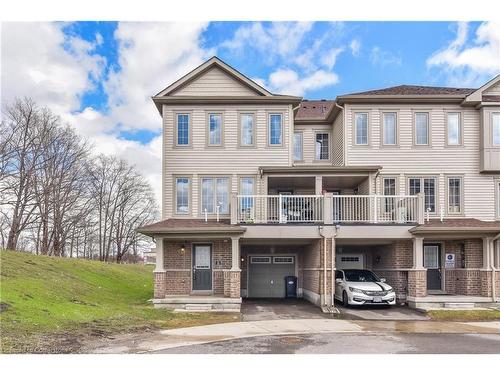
x: 352, y: 343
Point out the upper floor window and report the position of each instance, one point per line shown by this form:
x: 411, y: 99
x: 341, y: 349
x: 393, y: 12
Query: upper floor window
x: 421, y: 128
x: 215, y: 193
x: 247, y: 129
x: 182, y: 195
x: 297, y: 146
x: 454, y: 129
x: 495, y: 122
x: 215, y: 129
x: 183, y: 129
x: 426, y: 185
x: 322, y: 146
x: 498, y: 198
x: 247, y: 189
x: 361, y: 120
x: 275, y: 129
x: 454, y: 195
x: 389, y: 125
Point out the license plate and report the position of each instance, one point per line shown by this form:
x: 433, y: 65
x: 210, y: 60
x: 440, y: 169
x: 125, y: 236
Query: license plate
x: 377, y: 299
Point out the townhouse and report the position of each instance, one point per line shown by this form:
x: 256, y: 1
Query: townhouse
x: 259, y: 186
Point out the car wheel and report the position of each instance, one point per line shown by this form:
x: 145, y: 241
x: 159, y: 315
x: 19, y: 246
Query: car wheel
x: 345, y: 299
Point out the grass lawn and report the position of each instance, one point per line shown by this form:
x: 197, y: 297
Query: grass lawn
x: 464, y: 315
x: 53, y: 304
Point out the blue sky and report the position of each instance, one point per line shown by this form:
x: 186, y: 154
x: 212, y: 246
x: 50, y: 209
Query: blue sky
x: 99, y: 76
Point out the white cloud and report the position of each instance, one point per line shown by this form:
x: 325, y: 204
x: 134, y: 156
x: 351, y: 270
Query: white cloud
x: 330, y: 57
x: 470, y: 63
x: 355, y: 47
x: 288, y: 81
x: 379, y: 56
x: 280, y: 39
x: 34, y: 63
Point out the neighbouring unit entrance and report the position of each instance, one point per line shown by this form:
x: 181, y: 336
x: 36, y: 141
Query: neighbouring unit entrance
x: 266, y: 275
x: 202, y: 267
x: 432, y: 261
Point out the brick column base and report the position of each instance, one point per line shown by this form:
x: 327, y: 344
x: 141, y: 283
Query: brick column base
x: 486, y: 289
x: 232, y: 284
x: 160, y: 284
x: 417, y: 283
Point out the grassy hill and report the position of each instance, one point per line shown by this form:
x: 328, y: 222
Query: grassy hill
x: 53, y: 304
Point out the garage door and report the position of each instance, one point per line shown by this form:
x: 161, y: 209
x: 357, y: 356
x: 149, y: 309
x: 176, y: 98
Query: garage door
x: 266, y: 275
x: 349, y: 261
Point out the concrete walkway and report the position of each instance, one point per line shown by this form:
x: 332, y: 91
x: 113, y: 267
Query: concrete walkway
x: 174, y: 338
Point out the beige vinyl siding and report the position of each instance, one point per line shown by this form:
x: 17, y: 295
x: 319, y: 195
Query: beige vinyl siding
x: 309, y: 143
x: 493, y: 90
x: 406, y: 160
x: 338, y: 140
x: 214, y: 82
x: 229, y: 160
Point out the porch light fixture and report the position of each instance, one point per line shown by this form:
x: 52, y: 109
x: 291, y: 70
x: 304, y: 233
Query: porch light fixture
x: 183, y: 248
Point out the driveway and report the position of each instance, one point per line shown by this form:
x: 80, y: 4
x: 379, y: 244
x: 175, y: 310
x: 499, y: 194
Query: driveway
x: 273, y: 309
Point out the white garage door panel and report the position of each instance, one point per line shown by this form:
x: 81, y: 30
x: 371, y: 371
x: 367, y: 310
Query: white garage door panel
x: 267, y: 280
x: 349, y: 261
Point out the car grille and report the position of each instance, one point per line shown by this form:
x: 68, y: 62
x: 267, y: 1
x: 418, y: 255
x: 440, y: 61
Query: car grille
x: 375, y: 293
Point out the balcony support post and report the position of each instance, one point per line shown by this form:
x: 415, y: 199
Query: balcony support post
x: 234, y: 209
x: 328, y: 208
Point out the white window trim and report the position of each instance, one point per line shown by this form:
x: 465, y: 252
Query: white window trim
x: 422, y: 189
x: 255, y: 259
x: 240, y: 129
x: 493, y: 114
x: 286, y: 259
x: 429, y: 130
x: 301, y: 132
x: 221, y: 114
x: 176, y: 177
x: 396, y: 129
x: 269, y: 144
x: 460, y: 129
x: 447, y: 202
x: 329, y: 145
x: 176, y: 129
x: 367, y: 113
x: 214, y: 185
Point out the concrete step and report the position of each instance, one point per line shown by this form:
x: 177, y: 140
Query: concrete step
x: 198, y: 306
x: 459, y: 305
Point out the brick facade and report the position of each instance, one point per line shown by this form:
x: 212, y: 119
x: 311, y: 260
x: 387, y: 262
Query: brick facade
x: 232, y: 283
x: 177, y: 278
x: 417, y: 283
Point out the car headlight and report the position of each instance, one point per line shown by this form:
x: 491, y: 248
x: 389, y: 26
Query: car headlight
x: 390, y: 290
x: 355, y: 290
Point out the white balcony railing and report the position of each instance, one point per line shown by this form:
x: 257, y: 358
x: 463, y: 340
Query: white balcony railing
x: 328, y: 209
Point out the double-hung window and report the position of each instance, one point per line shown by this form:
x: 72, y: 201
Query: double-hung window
x: 297, y: 146
x: 454, y: 195
x: 322, y: 146
x: 275, y: 129
x: 183, y: 129
x: 389, y: 128
x: 389, y: 189
x: 454, y: 129
x: 495, y: 131
x: 182, y: 195
x: 247, y: 129
x: 421, y: 128
x: 427, y: 185
x: 215, y: 193
x: 361, y: 128
x: 215, y: 129
x: 498, y: 197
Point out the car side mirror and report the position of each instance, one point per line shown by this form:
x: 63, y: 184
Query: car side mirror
x: 382, y: 280
x: 338, y: 280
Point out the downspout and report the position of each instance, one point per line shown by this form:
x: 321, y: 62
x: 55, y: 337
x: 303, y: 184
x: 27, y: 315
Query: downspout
x: 493, y: 268
x: 332, y: 290
x: 323, y: 295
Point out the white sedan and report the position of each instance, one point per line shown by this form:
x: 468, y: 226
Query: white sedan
x: 362, y: 287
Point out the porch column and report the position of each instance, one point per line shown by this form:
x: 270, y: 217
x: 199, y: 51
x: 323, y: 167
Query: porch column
x: 418, y: 253
x: 235, y: 254
x: 160, y: 275
x: 487, y: 253
x: 318, y: 185
x: 417, y: 276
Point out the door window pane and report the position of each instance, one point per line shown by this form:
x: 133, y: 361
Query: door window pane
x: 361, y: 128
x: 202, y: 257
x: 297, y: 146
x: 183, y: 129
x: 454, y: 132
x: 389, y: 189
x: 182, y: 195
x: 422, y: 128
x: 389, y: 128
x: 496, y: 128
x: 215, y: 129
x: 454, y: 195
x: 247, y: 129
x: 275, y: 129
x: 322, y: 146
x: 431, y: 257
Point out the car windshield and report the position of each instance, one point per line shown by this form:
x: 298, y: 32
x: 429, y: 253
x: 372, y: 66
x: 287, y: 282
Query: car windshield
x: 360, y: 275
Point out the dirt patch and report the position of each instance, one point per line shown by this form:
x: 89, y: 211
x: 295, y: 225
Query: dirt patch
x: 4, y: 306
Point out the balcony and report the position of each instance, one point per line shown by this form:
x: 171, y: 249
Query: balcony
x: 327, y: 209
